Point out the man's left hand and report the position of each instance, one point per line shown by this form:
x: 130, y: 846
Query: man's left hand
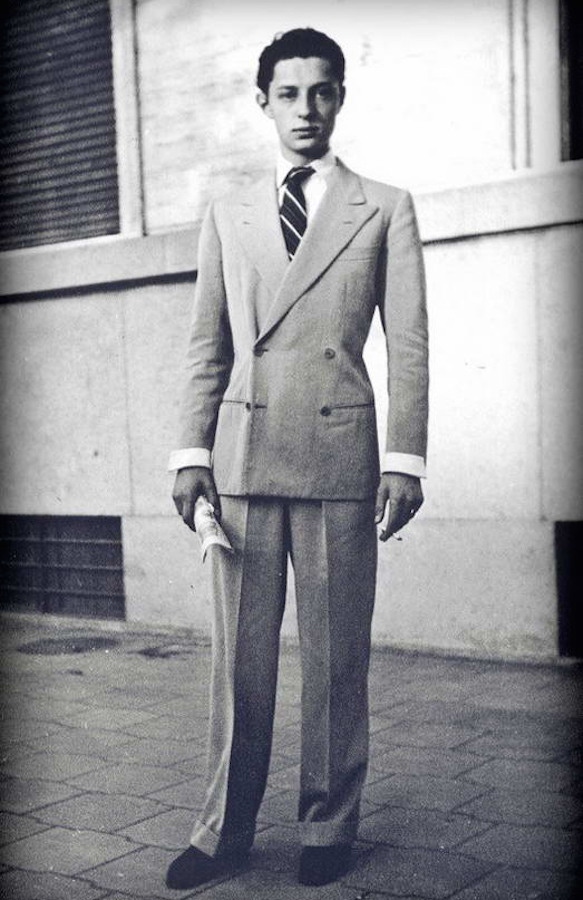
x: 405, y: 497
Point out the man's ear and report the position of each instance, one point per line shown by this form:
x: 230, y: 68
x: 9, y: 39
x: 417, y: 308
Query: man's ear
x: 342, y: 95
x: 263, y: 103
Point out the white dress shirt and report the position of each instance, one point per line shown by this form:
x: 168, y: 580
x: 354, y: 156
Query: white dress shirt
x: 314, y: 188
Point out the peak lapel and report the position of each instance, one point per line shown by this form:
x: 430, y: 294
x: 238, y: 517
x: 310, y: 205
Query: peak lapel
x: 342, y: 213
x: 258, y: 226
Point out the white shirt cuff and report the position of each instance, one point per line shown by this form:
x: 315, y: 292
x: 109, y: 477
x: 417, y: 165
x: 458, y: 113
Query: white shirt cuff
x: 404, y: 463
x: 191, y: 456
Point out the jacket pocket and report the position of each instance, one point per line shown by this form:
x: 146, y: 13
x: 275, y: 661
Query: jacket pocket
x: 353, y: 254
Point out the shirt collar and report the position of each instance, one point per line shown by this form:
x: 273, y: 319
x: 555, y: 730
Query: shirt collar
x: 322, y: 166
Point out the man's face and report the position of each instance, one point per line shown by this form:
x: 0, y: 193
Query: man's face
x: 303, y: 100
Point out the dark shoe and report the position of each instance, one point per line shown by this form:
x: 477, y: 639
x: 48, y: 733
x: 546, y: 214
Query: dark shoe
x: 321, y: 865
x: 193, y: 868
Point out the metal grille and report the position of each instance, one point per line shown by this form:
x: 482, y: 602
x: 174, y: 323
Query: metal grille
x: 58, y: 168
x: 70, y: 565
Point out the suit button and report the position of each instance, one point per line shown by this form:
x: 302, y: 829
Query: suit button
x: 259, y: 351
x: 248, y: 405
x: 329, y: 353
x: 325, y: 411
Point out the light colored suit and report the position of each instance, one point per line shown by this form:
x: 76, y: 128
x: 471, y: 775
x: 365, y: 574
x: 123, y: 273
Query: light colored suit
x: 278, y: 391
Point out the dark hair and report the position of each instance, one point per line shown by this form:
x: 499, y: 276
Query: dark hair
x: 302, y: 42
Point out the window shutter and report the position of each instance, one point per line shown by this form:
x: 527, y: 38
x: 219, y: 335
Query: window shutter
x: 571, y: 21
x: 58, y: 167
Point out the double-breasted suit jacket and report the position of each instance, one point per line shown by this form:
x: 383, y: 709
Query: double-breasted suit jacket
x: 277, y: 388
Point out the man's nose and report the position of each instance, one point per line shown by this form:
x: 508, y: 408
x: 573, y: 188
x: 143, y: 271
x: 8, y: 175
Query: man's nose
x: 305, y: 106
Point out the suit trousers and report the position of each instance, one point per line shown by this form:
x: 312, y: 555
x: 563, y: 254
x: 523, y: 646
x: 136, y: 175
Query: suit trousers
x: 333, y: 550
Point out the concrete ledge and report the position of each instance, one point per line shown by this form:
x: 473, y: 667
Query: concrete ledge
x: 97, y: 262
x: 519, y: 202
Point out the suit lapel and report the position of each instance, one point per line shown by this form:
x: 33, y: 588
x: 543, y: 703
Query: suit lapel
x: 259, y: 228
x: 342, y: 213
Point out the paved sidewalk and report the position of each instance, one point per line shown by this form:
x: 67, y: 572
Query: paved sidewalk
x: 475, y: 789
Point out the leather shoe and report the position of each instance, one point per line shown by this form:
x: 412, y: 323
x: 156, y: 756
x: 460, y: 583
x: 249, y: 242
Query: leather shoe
x: 321, y: 865
x: 193, y: 868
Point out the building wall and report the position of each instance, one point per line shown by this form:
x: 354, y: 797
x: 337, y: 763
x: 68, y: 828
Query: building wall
x: 429, y: 93
x: 438, y: 100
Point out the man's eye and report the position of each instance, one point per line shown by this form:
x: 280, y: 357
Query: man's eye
x: 325, y: 93
x: 288, y: 95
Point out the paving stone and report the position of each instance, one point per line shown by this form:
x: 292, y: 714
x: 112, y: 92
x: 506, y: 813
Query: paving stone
x: 74, y: 688
x: 518, y: 746
x: 108, y: 895
x: 525, y: 808
x: 99, y: 812
x: 429, y: 793
x: 424, y: 734
x: 423, y: 761
x: 418, y: 828
x: 442, y: 688
x: 49, y: 710
x: 110, y: 719
x: 264, y: 885
x: 170, y: 829
x: 532, y: 847
x: 145, y: 718
x: 528, y: 698
x: 53, y: 766
x: 127, y: 779
x: 12, y: 751
x: 416, y: 873
x: 27, y: 730
x: 187, y: 708
x: 103, y: 744
x: 483, y: 718
x: 187, y: 794
x: 522, y: 884
x: 156, y: 753
x: 19, y: 796
x: 112, y: 698
x: 63, y: 851
x: 139, y: 874
x: 169, y: 728
x: 15, y: 885
x: 13, y: 827
x: 282, y: 807
x: 522, y: 774
x: 192, y: 768
x: 382, y: 723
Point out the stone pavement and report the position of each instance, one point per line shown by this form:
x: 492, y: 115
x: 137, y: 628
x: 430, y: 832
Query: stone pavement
x: 475, y: 789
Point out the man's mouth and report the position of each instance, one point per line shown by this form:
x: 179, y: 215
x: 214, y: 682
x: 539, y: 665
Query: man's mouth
x: 307, y: 131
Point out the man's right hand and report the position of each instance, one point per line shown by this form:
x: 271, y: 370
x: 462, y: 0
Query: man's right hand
x: 190, y: 483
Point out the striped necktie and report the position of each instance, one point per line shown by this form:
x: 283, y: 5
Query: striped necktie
x: 293, y: 208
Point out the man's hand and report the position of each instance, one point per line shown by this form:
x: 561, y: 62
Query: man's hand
x: 190, y: 483
x: 405, y: 497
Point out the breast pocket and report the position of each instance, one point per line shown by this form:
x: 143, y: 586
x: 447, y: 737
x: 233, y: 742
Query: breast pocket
x: 358, y: 254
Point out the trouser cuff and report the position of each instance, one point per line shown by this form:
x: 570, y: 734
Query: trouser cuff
x: 216, y: 845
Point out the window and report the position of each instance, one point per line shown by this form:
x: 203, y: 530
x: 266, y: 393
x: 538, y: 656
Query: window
x: 62, y: 564
x: 58, y: 169
x: 571, y: 26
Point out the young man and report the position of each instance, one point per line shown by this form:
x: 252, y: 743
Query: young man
x: 279, y: 434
